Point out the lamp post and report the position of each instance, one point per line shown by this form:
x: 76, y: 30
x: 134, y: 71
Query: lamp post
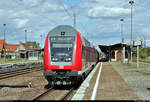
x: 41, y: 41
x: 4, y: 42
x: 25, y: 42
x: 122, y: 39
x: 25, y: 35
x: 131, y: 2
x: 137, y: 54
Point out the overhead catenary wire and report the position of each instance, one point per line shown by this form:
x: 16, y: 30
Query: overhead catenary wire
x: 68, y: 13
x: 71, y: 16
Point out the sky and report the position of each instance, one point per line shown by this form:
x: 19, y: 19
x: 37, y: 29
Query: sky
x: 97, y: 20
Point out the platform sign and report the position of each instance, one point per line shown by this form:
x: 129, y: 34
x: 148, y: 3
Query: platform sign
x: 141, y: 40
x: 134, y: 40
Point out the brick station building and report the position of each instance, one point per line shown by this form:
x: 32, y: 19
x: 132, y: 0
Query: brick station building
x: 116, y: 52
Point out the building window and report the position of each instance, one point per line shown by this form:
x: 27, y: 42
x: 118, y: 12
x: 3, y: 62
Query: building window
x: 113, y: 55
x: 126, y: 54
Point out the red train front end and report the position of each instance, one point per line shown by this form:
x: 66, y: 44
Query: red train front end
x: 62, y: 55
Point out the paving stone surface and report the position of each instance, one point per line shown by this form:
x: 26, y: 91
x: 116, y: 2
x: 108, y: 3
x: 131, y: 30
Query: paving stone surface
x: 111, y: 86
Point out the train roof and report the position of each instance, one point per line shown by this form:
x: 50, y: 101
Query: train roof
x: 67, y: 29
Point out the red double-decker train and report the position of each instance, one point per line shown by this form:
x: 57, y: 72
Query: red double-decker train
x: 68, y: 57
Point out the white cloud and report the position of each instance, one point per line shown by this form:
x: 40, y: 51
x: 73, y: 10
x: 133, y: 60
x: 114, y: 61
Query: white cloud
x: 145, y: 31
x: 30, y: 3
x: 105, y: 12
x: 52, y: 7
x: 21, y: 22
x: 109, y: 28
x: 20, y: 14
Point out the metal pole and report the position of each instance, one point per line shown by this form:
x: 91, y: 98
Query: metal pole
x: 25, y: 36
x: 41, y: 41
x: 131, y: 34
x: 4, y: 42
x: 131, y: 2
x: 122, y: 38
x: 124, y: 54
x: 137, y: 56
x: 122, y: 32
x: 25, y: 42
x: 144, y: 41
x: 122, y: 29
x: 74, y: 20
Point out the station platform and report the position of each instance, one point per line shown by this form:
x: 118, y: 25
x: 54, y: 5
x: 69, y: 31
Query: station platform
x: 110, y: 85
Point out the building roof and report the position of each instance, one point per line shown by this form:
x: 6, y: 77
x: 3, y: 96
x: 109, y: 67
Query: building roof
x: 11, y: 48
x: 26, y: 46
x: 106, y: 48
x: 1, y: 44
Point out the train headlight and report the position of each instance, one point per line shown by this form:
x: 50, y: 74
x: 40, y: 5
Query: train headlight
x: 68, y: 59
x: 54, y: 59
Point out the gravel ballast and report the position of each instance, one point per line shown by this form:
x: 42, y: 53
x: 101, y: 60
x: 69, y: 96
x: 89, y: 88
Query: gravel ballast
x: 138, y: 80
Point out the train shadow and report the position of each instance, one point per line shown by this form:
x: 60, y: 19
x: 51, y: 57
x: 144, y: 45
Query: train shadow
x: 62, y: 87
x: 14, y: 86
x: 59, y: 87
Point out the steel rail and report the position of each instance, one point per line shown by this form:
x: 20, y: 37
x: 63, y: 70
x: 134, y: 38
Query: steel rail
x: 43, y: 94
x: 18, y: 73
x: 20, y: 70
x: 66, y: 96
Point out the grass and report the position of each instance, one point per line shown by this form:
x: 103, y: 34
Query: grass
x: 146, y: 60
x: 142, y: 67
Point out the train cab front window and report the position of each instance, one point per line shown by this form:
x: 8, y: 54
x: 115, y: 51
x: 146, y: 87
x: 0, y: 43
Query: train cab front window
x: 61, y: 49
x: 61, y: 52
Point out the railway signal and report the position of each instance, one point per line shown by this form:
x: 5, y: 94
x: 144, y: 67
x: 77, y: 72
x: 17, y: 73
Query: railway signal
x: 134, y: 40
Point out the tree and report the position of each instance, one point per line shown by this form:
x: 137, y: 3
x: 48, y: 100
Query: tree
x: 34, y: 44
x: 143, y: 52
x: 101, y: 55
x: 148, y: 51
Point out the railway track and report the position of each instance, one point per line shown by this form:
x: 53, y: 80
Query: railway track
x: 49, y: 94
x: 16, y: 73
x: 67, y: 95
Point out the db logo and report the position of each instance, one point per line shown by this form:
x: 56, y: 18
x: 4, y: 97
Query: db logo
x: 61, y: 67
